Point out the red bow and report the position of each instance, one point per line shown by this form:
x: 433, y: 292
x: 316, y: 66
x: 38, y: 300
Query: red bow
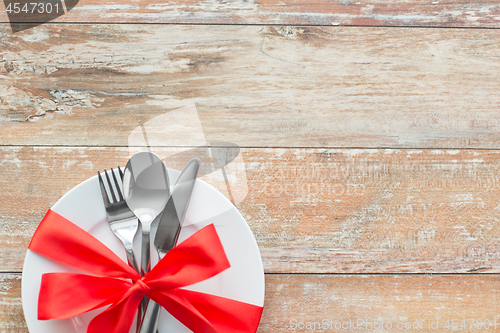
x: 114, y: 283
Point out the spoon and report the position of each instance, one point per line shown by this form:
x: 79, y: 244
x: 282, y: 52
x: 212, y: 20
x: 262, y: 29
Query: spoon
x: 146, y: 191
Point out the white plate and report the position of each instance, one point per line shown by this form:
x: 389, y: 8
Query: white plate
x: 243, y: 281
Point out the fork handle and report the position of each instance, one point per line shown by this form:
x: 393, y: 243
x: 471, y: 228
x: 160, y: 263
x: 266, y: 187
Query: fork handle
x: 132, y: 262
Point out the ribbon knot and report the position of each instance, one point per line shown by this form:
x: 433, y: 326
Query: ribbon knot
x: 112, y: 282
x: 141, y: 288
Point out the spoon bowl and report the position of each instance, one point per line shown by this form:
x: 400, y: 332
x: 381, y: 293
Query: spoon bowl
x: 146, y: 190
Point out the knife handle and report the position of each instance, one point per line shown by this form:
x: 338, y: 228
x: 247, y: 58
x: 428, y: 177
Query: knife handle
x: 150, y: 320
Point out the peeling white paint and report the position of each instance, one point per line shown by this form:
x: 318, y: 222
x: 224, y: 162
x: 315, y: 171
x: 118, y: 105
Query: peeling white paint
x: 453, y: 152
x: 103, y: 7
x: 216, y: 5
x: 37, y: 35
x: 413, y: 152
x: 11, y: 157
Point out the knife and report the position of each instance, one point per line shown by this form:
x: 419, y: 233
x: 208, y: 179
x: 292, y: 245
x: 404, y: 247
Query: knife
x: 168, y: 231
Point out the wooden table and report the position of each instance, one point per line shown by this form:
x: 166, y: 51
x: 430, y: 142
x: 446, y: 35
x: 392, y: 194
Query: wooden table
x: 369, y: 132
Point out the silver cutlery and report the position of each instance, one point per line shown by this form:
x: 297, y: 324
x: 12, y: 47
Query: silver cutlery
x: 168, y: 231
x: 146, y: 190
x: 121, y: 219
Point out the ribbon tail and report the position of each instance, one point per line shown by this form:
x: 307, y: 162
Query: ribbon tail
x: 119, y: 317
x: 207, y: 313
x: 226, y: 315
x: 65, y: 295
x: 178, y: 306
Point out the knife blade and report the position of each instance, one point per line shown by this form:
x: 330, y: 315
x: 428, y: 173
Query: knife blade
x: 168, y: 230
x: 176, y: 208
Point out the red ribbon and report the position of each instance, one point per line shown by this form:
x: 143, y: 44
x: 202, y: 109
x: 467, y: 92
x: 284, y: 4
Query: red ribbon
x: 114, y: 283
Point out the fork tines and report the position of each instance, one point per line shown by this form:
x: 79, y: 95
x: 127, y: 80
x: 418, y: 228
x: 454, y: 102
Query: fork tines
x: 112, y: 190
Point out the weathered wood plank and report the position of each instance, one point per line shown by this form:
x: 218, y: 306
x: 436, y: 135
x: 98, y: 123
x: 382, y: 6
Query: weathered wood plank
x: 254, y: 86
x: 338, y: 299
x: 451, y: 13
x: 398, y: 301
x: 11, y: 311
x: 311, y: 210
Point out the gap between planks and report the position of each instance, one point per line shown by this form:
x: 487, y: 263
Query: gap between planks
x: 289, y: 12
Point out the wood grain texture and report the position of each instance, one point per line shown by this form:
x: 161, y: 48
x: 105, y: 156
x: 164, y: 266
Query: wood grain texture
x: 311, y: 210
x: 338, y: 299
x: 253, y: 86
x: 447, y: 13
x: 11, y: 311
x: 398, y: 300
x: 74, y: 97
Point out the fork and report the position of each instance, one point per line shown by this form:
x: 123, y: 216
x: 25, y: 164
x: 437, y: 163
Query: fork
x: 121, y: 220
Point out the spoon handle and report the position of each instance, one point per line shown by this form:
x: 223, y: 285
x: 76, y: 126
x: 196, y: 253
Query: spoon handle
x: 145, y: 265
x: 149, y: 323
x: 145, y: 254
x: 150, y: 319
